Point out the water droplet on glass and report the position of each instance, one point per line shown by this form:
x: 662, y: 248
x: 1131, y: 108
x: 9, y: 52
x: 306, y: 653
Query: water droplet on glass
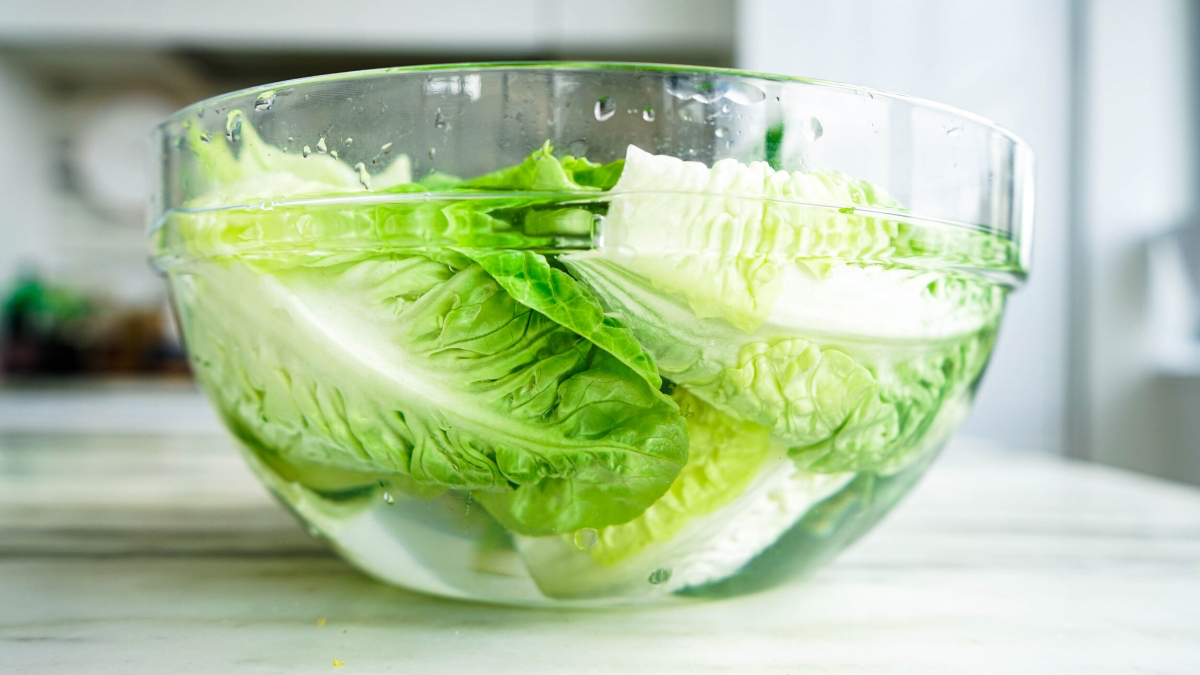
x: 206, y: 137
x: 290, y: 139
x: 432, y: 153
x: 321, y: 147
x: 721, y: 132
x: 745, y: 93
x: 264, y: 100
x: 812, y: 129
x: 439, y: 120
x: 388, y: 499
x: 349, y: 141
x: 726, y: 108
x: 233, y: 126
x: 728, y: 144
x: 605, y: 108
x: 333, y: 154
x: 682, y: 87
x: 700, y: 88
x: 578, y: 148
x: 660, y: 576
x: 306, y: 225
x: 704, y: 90
x: 200, y: 111
x: 364, y: 179
x: 586, y: 538
x: 953, y: 131
x: 307, y: 151
x: 386, y: 148
x: 648, y: 114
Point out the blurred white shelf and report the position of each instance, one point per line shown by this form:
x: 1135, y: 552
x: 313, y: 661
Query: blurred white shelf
x: 121, y: 554
x: 446, y: 26
x: 131, y: 407
x: 1182, y: 362
x: 1173, y: 306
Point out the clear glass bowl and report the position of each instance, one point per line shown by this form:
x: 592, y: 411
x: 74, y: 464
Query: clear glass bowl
x: 587, y: 334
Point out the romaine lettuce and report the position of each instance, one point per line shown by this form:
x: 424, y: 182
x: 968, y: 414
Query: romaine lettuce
x: 406, y: 365
x: 737, y: 494
x: 839, y: 406
x: 427, y: 341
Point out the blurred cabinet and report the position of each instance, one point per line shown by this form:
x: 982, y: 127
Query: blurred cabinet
x: 690, y: 29
x: 1009, y: 61
x: 83, y: 81
x: 1140, y: 397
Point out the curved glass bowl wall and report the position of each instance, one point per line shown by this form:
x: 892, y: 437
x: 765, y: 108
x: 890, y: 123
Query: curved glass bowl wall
x: 587, y: 382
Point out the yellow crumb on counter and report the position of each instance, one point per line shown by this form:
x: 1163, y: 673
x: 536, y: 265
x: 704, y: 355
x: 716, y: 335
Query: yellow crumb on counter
x: 321, y: 621
x: 337, y: 663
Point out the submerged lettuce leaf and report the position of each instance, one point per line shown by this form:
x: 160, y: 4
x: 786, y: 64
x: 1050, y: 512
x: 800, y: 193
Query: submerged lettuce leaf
x: 242, y: 168
x: 531, y: 281
x: 890, y: 426
x: 425, y: 339
x: 406, y: 365
x: 543, y: 172
x: 737, y: 494
x: 715, y: 236
x: 723, y: 237
x: 424, y: 215
x: 837, y: 406
x: 724, y: 456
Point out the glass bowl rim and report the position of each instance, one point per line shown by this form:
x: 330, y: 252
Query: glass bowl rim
x: 612, y: 66
x: 1021, y: 236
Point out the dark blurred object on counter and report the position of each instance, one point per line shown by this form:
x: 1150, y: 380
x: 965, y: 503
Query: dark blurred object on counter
x: 52, y: 331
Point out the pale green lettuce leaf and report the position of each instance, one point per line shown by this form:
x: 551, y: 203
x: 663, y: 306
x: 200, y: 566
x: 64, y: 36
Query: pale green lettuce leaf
x: 718, y: 236
x: 530, y: 280
x: 839, y: 404
x: 724, y: 456
x: 242, y: 168
x: 736, y: 495
x: 407, y: 365
x: 543, y: 172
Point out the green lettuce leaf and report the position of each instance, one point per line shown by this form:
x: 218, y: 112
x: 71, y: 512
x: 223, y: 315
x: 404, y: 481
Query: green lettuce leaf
x: 735, y: 496
x: 530, y: 280
x: 242, y: 168
x: 724, y: 237
x: 424, y: 216
x: 714, y: 235
x: 407, y: 365
x: 839, y: 405
x: 889, y: 428
x: 542, y: 172
x: 724, y: 456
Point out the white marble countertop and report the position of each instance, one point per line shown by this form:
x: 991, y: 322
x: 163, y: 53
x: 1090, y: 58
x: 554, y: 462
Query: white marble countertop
x: 144, y: 553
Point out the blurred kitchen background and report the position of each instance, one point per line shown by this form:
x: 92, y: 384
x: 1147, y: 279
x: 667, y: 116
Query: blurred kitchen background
x: 1099, y: 356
